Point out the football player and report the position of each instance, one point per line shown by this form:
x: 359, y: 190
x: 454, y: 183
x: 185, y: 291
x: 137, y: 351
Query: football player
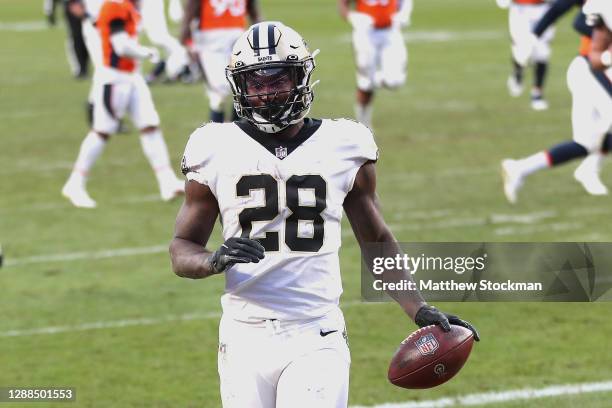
x: 155, y: 26
x: 219, y: 24
x: 379, y: 48
x: 279, y: 181
x: 121, y: 89
x: 76, y: 49
x: 591, y: 118
x: 523, y: 17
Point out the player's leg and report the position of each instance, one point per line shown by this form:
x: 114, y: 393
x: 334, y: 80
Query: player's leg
x: 515, y: 171
x: 317, y: 379
x: 394, y: 59
x: 591, y: 121
x: 152, y: 141
x: 110, y: 104
x: 519, y: 29
x: 365, y: 61
x: 213, y: 65
x: 541, y: 57
x: 94, y: 49
x: 77, y: 49
x: 242, y: 361
x: 589, y: 104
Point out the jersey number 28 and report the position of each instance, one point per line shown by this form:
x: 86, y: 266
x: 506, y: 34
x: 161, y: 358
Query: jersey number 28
x: 298, y: 212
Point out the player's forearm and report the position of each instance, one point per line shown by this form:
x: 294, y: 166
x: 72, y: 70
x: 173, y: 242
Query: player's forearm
x: 343, y: 8
x: 558, y: 9
x: 126, y: 46
x: 190, y: 14
x: 409, y: 300
x: 600, y: 55
x: 253, y: 11
x: 190, y: 260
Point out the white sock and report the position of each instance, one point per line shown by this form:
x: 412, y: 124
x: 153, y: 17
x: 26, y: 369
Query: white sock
x: 154, y: 147
x: 363, y: 114
x: 533, y: 163
x: 593, y: 163
x: 91, y: 148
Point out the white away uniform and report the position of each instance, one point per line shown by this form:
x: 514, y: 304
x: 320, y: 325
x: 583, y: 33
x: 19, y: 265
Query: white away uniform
x: 281, y: 315
x: 378, y: 43
x: 524, y: 15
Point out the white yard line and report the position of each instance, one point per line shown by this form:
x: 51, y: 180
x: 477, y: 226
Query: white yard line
x: 530, y: 229
x: 502, y: 396
x: 88, y: 255
x: 527, y: 218
x: 20, y: 26
x: 122, y: 323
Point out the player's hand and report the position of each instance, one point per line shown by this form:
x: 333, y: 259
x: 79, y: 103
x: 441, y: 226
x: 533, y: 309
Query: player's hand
x: 153, y: 55
x: 428, y: 315
x: 401, y: 20
x: 503, y: 4
x: 236, y: 250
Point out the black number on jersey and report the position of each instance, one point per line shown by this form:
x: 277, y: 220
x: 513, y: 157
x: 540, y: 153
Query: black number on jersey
x: 246, y: 217
x: 311, y: 213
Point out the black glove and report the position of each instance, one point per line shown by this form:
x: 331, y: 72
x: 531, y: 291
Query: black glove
x: 236, y: 250
x: 428, y: 315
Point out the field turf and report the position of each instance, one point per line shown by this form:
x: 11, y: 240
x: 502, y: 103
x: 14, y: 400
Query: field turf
x: 131, y: 334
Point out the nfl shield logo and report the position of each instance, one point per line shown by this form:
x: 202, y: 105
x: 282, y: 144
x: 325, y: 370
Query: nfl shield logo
x: 281, y: 152
x: 427, y: 344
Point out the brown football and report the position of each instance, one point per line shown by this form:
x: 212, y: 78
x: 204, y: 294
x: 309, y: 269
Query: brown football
x: 430, y: 357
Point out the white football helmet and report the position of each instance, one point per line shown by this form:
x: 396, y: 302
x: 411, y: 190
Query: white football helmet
x: 271, y: 49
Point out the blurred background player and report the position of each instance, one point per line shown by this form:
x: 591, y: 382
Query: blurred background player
x: 219, y: 24
x: 76, y: 51
x: 522, y: 18
x: 589, y: 84
x: 378, y: 45
x: 120, y: 89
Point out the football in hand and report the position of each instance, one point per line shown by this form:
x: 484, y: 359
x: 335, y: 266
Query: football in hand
x: 430, y: 357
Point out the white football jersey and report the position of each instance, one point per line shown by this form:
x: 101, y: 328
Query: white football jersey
x: 288, y: 195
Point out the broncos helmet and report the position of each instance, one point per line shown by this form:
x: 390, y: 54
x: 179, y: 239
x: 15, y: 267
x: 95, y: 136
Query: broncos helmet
x: 271, y: 50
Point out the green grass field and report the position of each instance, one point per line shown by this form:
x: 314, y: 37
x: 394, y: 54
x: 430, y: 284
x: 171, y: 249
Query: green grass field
x: 441, y: 139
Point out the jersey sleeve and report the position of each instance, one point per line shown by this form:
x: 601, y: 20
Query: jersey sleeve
x: 198, y: 160
x: 364, y: 147
x: 359, y: 147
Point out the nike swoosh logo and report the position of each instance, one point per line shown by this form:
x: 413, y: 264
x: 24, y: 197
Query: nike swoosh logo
x: 323, y: 334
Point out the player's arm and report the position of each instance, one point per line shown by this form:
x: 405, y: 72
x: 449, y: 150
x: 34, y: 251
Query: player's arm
x: 363, y: 212
x: 192, y: 10
x: 253, y: 11
x: 126, y: 46
x: 556, y: 11
x: 194, y: 224
x: 601, y: 48
x: 344, y: 6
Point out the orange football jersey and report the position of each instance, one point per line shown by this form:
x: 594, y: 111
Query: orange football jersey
x: 529, y: 1
x: 117, y: 13
x: 585, y: 45
x: 380, y: 10
x: 222, y: 14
